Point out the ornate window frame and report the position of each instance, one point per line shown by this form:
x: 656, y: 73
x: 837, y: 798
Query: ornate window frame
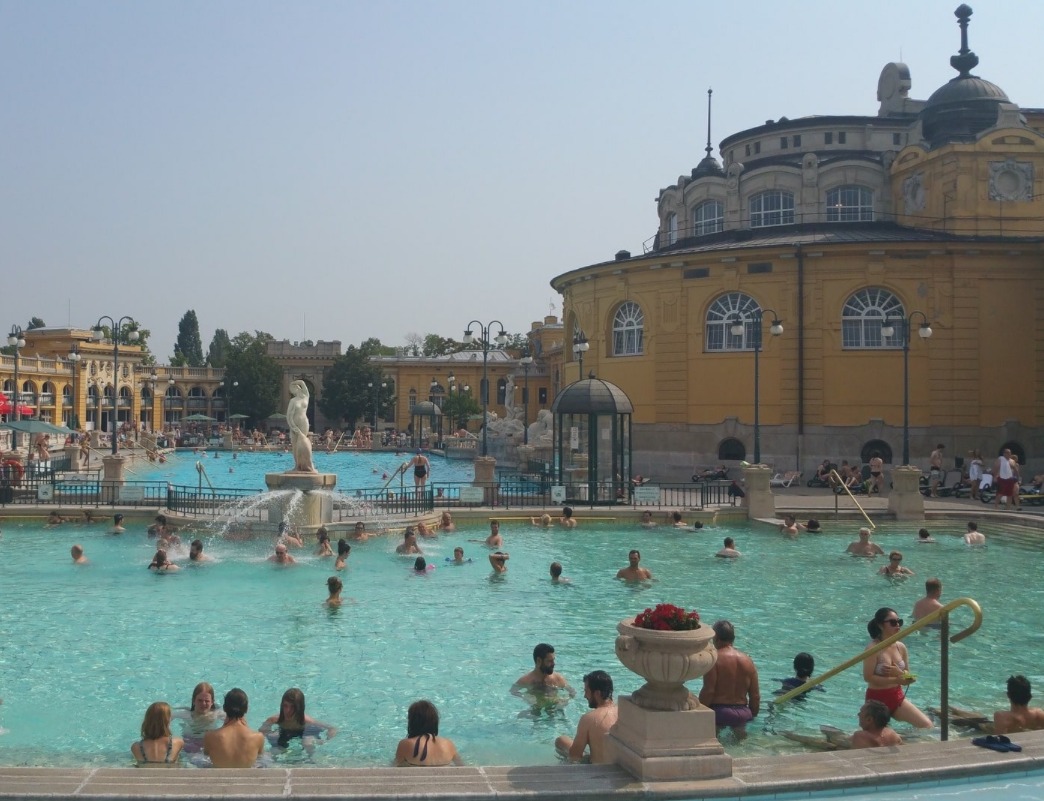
x: 720, y: 317
x: 863, y: 315
x: 770, y: 208
x: 629, y: 330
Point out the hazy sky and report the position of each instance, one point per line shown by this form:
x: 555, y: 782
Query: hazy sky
x: 341, y: 170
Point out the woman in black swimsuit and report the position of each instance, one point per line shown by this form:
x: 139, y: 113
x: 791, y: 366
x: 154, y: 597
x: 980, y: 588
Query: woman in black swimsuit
x: 157, y: 745
x: 422, y: 746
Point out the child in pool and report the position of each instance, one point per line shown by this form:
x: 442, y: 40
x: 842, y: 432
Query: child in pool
x: 293, y: 723
x: 200, y: 717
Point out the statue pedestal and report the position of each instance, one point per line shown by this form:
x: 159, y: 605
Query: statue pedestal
x: 667, y: 746
x: 312, y: 508
x: 112, y: 478
x: 485, y: 470
x: 905, y: 501
x: 760, y: 502
x: 72, y: 453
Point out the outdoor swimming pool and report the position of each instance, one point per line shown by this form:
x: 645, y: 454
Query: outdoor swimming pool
x: 87, y: 649
x: 354, y: 470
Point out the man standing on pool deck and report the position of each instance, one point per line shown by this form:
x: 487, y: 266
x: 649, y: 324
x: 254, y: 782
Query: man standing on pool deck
x: 594, y: 725
x: 935, y: 470
x: 235, y: 744
x: 730, y: 688
x: 1004, y: 473
x: 863, y: 546
x: 421, y: 469
x: 633, y: 572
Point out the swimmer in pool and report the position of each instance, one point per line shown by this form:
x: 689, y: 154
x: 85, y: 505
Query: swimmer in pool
x: 556, y: 574
x: 409, y: 543
x: 359, y: 532
x: 423, y: 747
x: 323, y: 548
x: 421, y: 567
x: 157, y: 745
x: 343, y: 550
x: 117, y: 524
x: 544, y: 521
x: 77, y: 555
x: 446, y: 522
x: 199, y: 717
x: 542, y: 688
x: 458, y: 557
x: 282, y: 556
x: 161, y: 564
x: 294, y: 724
x: 334, y: 586
x: 196, y: 552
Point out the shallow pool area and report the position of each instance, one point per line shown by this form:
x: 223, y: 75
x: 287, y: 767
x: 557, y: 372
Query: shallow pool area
x: 86, y: 649
x: 247, y: 469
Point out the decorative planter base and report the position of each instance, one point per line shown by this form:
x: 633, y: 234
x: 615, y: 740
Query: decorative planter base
x: 667, y: 746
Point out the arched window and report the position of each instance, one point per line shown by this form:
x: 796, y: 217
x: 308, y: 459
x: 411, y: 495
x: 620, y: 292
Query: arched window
x: 672, y: 228
x: 628, y: 330
x: 1016, y: 450
x: 708, y: 218
x: 66, y: 395
x: 878, y: 447
x: 125, y: 394
x: 721, y: 315
x: 850, y: 204
x: 774, y: 207
x: 732, y: 450
x: 863, y: 316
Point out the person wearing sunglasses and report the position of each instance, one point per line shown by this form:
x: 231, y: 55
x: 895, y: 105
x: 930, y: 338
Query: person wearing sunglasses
x: 887, y: 672
x: 894, y: 568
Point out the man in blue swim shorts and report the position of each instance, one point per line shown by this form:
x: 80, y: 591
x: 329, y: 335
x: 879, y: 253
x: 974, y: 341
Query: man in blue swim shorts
x: 730, y: 688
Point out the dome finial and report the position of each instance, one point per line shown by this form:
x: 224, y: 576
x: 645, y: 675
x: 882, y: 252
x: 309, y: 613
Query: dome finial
x: 966, y: 60
x: 709, y: 149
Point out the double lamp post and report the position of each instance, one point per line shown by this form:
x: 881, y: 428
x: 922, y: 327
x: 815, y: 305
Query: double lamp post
x: 487, y: 346
x: 126, y: 329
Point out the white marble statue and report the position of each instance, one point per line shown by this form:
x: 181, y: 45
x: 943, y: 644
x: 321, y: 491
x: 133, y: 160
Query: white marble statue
x: 297, y: 420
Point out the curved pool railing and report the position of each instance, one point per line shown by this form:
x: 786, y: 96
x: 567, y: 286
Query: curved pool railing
x: 942, y: 615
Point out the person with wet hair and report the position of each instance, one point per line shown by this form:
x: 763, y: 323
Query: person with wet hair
x: 594, y: 725
x: 1020, y: 716
x: 235, y: 744
x: 294, y: 724
x: 334, y: 586
x: 422, y: 746
x: 157, y: 745
x: 874, y: 730
x: 343, y: 550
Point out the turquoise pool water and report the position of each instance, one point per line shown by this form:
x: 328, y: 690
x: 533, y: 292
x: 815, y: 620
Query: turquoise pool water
x: 354, y: 470
x: 86, y: 649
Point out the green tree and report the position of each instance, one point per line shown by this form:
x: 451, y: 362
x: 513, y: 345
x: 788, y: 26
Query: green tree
x: 142, y: 341
x: 347, y: 394
x: 373, y: 347
x: 435, y: 345
x: 35, y: 322
x: 259, y: 375
x: 459, y: 408
x: 189, y: 347
x: 217, y: 353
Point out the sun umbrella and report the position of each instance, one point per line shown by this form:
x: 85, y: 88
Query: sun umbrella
x: 238, y: 416
x: 35, y: 427
x: 7, y: 408
x: 277, y: 416
x: 200, y: 418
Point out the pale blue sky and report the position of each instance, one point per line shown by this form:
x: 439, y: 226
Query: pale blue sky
x: 339, y: 170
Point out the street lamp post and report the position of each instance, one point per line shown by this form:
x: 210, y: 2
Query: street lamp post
x: 580, y: 347
x: 526, y: 361
x: 737, y: 329
x: 166, y: 403
x: 925, y: 331
x: 124, y: 327
x: 74, y: 359
x: 17, y: 341
x: 484, y: 331
x: 152, y: 402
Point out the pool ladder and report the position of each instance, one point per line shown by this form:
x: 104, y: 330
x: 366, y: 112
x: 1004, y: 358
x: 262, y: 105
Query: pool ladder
x: 945, y: 639
x: 841, y: 484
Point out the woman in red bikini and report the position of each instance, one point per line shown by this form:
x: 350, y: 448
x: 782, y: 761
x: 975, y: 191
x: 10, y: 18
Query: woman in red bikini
x: 887, y: 672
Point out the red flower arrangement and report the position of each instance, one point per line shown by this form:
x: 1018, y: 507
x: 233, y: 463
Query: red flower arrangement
x: 667, y: 617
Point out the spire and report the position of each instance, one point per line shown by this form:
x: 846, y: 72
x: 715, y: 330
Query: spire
x: 965, y: 61
x: 709, y: 149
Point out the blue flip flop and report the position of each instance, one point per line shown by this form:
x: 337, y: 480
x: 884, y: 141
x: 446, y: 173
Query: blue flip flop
x: 996, y: 742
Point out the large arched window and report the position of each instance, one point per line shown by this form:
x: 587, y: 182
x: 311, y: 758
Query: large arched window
x: 708, y: 218
x: 863, y: 316
x: 672, y: 228
x: 850, y: 204
x: 628, y: 330
x: 774, y: 207
x: 722, y: 313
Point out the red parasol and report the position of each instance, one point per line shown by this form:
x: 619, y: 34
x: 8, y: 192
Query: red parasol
x: 7, y: 408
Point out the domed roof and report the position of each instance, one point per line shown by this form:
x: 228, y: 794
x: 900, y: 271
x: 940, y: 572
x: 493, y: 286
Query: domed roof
x: 425, y: 409
x: 708, y: 166
x: 965, y: 106
x: 592, y: 396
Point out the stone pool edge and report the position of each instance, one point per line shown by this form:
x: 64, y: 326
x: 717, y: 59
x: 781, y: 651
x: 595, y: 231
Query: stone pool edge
x: 792, y: 774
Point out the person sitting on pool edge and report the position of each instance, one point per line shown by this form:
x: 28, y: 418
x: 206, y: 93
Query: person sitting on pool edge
x: 874, y: 730
x: 235, y: 744
x: 593, y: 725
x: 1020, y: 716
x: 422, y: 746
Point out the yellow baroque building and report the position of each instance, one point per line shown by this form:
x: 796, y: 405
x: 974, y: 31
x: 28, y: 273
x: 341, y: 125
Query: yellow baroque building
x: 859, y: 236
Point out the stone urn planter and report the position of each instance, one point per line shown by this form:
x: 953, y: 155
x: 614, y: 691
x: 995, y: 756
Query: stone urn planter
x: 666, y: 660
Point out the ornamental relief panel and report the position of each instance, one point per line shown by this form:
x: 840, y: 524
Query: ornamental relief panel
x: 1011, y: 180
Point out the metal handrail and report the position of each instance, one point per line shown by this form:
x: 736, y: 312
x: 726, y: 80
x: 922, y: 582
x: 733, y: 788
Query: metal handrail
x: 944, y: 664
x: 841, y: 483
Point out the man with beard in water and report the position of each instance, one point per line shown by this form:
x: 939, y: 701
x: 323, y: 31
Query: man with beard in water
x: 541, y: 686
x: 594, y: 725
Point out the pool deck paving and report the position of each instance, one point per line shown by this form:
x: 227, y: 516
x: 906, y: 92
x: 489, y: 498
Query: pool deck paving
x: 833, y: 772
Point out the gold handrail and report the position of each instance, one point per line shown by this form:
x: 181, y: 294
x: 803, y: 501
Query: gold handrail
x: 841, y: 483
x: 916, y: 626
